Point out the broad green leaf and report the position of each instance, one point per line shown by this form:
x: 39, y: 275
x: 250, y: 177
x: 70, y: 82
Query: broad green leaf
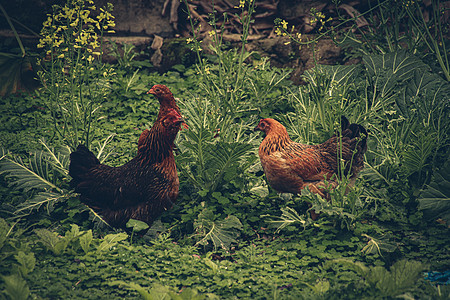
x: 289, y: 216
x: 220, y: 233
x: 86, y: 240
x: 27, y: 262
x: 142, y: 291
x: 4, y: 229
x: 378, y: 245
x: 111, y: 240
x: 434, y: 200
x: 34, y: 176
x: 402, y: 277
x: 137, y: 225
x: 48, y: 238
x: 388, y: 71
x: 16, y: 287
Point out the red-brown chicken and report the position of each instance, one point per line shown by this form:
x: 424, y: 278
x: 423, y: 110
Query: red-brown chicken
x: 142, y: 188
x: 291, y: 166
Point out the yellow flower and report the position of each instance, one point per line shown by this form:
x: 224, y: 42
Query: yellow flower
x: 61, y: 55
x: 284, y: 24
x: 211, y: 33
x: 189, y: 40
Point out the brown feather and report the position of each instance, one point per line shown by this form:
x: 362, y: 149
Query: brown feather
x: 140, y: 189
x: 291, y: 166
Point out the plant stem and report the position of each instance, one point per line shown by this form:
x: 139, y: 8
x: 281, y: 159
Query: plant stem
x: 14, y: 30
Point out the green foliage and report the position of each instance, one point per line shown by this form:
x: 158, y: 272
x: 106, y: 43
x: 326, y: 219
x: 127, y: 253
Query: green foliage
x: 214, y: 242
x: 221, y: 233
x: 16, y: 287
x: 402, y: 276
x: 413, y: 26
x: 218, y: 146
x: 289, y: 216
x: 136, y: 225
x: 55, y: 243
x: 27, y: 262
x: 42, y: 174
x: 434, y: 200
x: 86, y: 240
x: 74, y: 80
x: 111, y: 240
x: 379, y: 245
x: 162, y: 292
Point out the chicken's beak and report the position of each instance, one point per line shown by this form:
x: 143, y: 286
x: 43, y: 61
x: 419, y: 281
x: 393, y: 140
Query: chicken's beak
x: 151, y: 91
x: 182, y: 122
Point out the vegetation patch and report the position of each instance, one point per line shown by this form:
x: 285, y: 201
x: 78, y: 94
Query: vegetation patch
x: 229, y: 235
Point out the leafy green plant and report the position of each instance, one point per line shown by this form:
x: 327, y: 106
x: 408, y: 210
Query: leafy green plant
x: 289, y: 217
x: 162, y: 292
x: 73, y: 40
x: 398, y: 280
x: 17, y: 260
x: 434, y: 200
x: 43, y: 177
x: 136, y: 226
x: 43, y: 173
x: 219, y: 147
x: 15, y: 287
x: 431, y: 31
x: 221, y: 233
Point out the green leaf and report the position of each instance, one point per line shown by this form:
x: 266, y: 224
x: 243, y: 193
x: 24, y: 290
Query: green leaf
x: 142, y: 291
x: 378, y: 245
x: 137, y: 225
x: 402, y: 277
x: 415, y: 157
x: 27, y: 262
x: 221, y: 233
x: 111, y: 240
x: 86, y: 240
x: 34, y: 176
x: 4, y: 230
x: 38, y: 175
x: 289, y: 216
x: 50, y: 240
x: 16, y: 287
x: 434, y: 201
x: 387, y: 71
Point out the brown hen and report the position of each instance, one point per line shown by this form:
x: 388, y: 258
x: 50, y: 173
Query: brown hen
x: 291, y: 166
x: 142, y: 188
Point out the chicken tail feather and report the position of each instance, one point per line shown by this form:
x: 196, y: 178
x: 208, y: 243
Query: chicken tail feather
x: 81, y: 161
x: 353, y: 131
